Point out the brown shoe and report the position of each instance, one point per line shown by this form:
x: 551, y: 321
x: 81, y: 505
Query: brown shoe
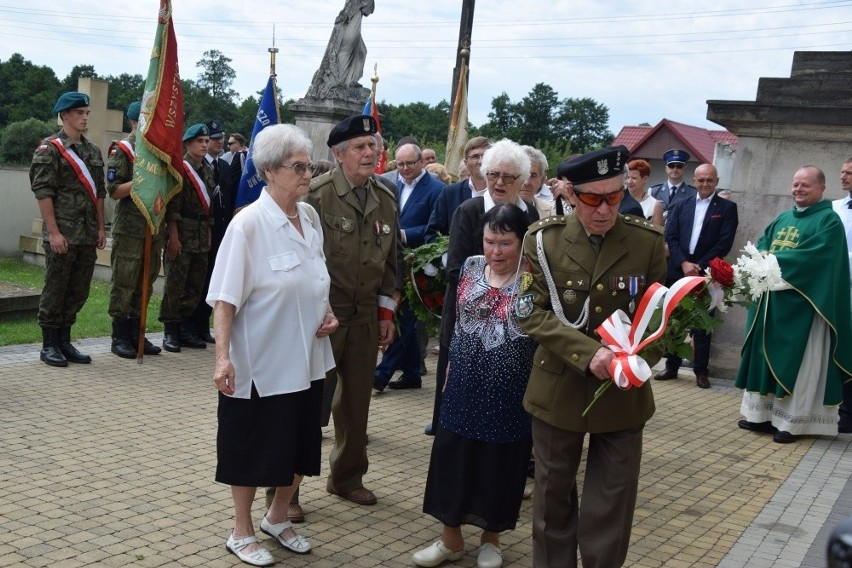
x: 703, y: 381
x: 359, y: 496
x: 295, y: 514
x: 666, y: 374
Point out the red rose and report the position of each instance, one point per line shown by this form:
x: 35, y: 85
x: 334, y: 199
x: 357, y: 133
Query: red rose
x: 722, y: 272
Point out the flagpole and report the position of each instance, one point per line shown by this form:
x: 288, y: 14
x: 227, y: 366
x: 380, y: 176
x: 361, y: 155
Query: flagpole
x: 146, y: 278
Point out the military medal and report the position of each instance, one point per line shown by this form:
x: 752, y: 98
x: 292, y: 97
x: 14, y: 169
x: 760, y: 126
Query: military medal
x: 524, y: 305
x: 634, y: 291
x: 346, y: 225
x: 570, y: 296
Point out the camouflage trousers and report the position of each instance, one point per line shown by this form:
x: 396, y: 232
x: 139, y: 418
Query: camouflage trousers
x: 128, y: 258
x: 184, y: 285
x: 67, y: 279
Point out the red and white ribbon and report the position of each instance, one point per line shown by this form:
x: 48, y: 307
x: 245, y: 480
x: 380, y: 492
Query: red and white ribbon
x: 80, y: 169
x: 199, y: 186
x: 624, y: 337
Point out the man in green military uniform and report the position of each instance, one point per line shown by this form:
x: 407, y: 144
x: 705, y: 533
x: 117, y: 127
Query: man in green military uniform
x: 67, y: 178
x: 128, y: 247
x: 360, y: 229
x: 584, y: 267
x: 187, y: 244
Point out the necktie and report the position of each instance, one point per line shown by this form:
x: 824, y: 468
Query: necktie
x: 361, y: 194
x: 216, y: 169
x: 849, y: 204
x: 597, y: 241
x: 672, y: 191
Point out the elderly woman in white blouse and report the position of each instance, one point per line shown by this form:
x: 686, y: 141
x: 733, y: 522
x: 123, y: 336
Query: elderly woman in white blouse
x: 269, y: 292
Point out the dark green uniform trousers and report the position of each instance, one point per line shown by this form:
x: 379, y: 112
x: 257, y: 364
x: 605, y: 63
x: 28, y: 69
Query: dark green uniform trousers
x: 67, y: 279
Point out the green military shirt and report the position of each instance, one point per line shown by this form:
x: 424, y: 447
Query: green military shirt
x: 186, y: 208
x: 128, y: 219
x: 560, y: 385
x: 359, y: 246
x: 51, y: 176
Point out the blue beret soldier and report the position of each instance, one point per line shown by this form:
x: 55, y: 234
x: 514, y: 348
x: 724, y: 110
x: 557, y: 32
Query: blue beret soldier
x: 584, y: 267
x: 128, y: 247
x: 67, y: 178
x: 187, y: 244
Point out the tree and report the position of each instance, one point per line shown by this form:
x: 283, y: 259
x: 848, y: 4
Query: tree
x: 27, y: 90
x: 20, y: 139
x: 427, y: 123
x: 69, y: 83
x: 123, y: 90
x: 502, y: 120
x: 536, y: 114
x: 584, y: 122
x: 216, y: 75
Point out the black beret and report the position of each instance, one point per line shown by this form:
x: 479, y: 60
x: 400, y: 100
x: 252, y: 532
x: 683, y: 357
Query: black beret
x: 352, y: 127
x: 215, y: 128
x: 67, y: 101
x: 594, y: 166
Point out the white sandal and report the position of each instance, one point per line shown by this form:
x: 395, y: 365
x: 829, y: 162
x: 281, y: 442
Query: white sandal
x: 296, y: 543
x: 260, y: 557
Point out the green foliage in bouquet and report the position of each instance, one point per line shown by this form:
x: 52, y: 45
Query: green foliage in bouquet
x: 426, y: 281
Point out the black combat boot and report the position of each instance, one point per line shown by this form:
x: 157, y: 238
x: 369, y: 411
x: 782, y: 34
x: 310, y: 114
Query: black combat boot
x: 171, y: 336
x: 70, y: 352
x: 50, y: 352
x: 189, y: 336
x: 121, y: 343
x: 149, y: 348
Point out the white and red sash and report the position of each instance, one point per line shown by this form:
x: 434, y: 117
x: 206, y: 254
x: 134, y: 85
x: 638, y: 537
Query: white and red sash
x: 199, y: 186
x: 128, y: 150
x: 79, y: 167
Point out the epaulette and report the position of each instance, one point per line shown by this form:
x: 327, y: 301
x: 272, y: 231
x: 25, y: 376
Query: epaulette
x: 320, y: 181
x: 547, y: 222
x: 635, y: 221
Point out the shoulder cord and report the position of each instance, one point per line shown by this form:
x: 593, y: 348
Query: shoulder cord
x: 554, y: 295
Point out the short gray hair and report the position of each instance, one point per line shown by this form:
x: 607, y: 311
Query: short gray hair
x: 276, y: 144
x: 506, y: 152
x: 537, y: 157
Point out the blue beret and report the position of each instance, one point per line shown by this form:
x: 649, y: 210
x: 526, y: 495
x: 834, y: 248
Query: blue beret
x: 71, y: 100
x: 195, y: 131
x: 676, y: 156
x: 594, y: 166
x: 215, y: 128
x: 352, y: 127
x: 133, y: 110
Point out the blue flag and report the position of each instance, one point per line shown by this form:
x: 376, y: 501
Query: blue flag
x: 267, y: 114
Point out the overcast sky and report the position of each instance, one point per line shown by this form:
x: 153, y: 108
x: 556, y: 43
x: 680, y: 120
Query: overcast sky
x: 645, y: 60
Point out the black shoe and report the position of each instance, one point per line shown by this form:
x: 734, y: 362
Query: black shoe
x: 844, y: 429
x: 666, y: 374
x: 783, y: 437
x: 429, y: 431
x: 121, y: 342
x: 378, y: 386
x: 171, y: 336
x: 189, y: 339
x: 149, y: 348
x: 762, y: 427
x: 206, y: 337
x: 50, y: 352
x: 423, y: 369
x: 404, y: 383
x: 69, y: 351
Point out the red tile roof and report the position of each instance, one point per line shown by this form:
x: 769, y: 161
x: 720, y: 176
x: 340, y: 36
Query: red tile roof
x: 654, y: 140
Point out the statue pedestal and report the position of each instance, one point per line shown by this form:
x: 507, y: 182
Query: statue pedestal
x: 317, y: 117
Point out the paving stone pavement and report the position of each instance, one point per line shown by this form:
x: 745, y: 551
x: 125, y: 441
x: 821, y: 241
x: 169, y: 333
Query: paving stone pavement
x: 111, y: 464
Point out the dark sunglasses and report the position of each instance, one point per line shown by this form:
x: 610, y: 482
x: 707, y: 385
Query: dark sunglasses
x: 675, y: 166
x: 595, y: 199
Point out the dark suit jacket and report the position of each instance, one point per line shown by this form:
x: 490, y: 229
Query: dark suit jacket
x: 629, y: 206
x: 414, y: 217
x: 716, y: 237
x: 661, y: 193
x: 442, y: 213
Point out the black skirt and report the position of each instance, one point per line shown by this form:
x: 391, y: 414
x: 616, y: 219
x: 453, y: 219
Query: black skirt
x: 471, y: 482
x: 264, y: 441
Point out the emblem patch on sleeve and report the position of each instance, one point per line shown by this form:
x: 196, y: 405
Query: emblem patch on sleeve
x: 524, y: 305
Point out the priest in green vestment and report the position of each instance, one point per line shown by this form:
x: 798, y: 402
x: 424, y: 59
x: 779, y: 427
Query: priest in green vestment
x: 797, y: 353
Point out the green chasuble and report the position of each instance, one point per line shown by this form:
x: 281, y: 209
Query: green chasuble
x: 811, y: 249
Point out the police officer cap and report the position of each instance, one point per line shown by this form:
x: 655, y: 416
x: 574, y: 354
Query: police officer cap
x: 195, y: 131
x: 215, y: 128
x: 352, y: 127
x: 679, y: 156
x: 133, y: 110
x: 71, y: 100
x: 594, y: 166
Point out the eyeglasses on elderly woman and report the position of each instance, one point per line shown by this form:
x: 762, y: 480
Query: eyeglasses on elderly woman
x: 595, y: 199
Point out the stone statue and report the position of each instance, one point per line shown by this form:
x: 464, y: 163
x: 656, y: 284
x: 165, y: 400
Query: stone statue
x: 343, y: 62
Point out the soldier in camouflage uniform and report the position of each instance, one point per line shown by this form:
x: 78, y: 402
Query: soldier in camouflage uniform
x: 67, y: 178
x: 187, y: 244
x: 128, y: 247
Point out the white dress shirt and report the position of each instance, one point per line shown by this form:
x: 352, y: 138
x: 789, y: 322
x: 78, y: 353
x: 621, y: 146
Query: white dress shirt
x: 407, y: 189
x: 701, y: 206
x: 278, y: 282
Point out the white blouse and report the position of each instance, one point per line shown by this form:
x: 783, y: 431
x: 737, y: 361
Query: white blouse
x: 279, y: 283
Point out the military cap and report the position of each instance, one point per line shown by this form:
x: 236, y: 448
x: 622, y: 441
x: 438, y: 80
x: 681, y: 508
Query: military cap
x: 215, y: 128
x: 352, y: 127
x: 677, y: 156
x: 70, y: 100
x: 594, y: 166
x: 195, y: 131
x: 133, y: 110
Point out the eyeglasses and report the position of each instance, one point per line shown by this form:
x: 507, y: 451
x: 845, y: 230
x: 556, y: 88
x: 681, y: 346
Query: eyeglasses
x: 406, y: 164
x: 507, y: 179
x: 231, y: 142
x: 675, y: 166
x: 474, y: 157
x: 595, y: 199
x: 299, y: 168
